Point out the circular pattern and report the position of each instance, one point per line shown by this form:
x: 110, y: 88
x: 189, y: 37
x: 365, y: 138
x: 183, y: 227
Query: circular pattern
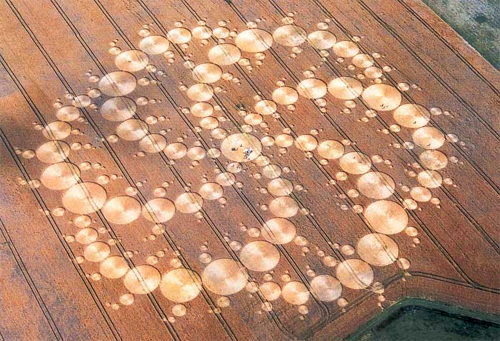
x: 322, y: 40
x: 158, y: 210
x: 96, y: 252
x: 153, y: 143
x: 278, y: 231
x: 131, y: 61
x: 207, y: 73
x: 52, y: 152
x: 354, y: 274
x: 428, y: 138
x: 330, y: 149
x: 355, y: 163
x: 84, y: 198
x: 345, y: 49
x: 295, y: 293
x: 386, y: 217
x: 283, y: 207
x: 200, y: 92
x: 382, y: 97
x: 202, y: 109
x: 118, y: 83
x: 224, y: 277
x: 114, y: 267
x: 412, y: 116
x: 122, y: 210
x: 377, y: 249
x: 189, y: 202
x: 154, y: 44
x: 175, y: 151
x: 142, y: 279
x: 132, y: 129
x: 224, y: 54
x: 270, y: 290
x: 285, y: 95
x: 60, y: 176
x: 179, y: 35
x: 180, y: 285
x: 68, y: 113
x: 326, y: 288
x: 211, y: 191
x: 434, y: 159
x: 118, y: 109
x: 290, y: 35
x: 376, y: 185
x: 57, y: 130
x: 312, y: 88
x: 241, y: 147
x: 345, y: 88
x: 254, y: 40
x: 259, y: 256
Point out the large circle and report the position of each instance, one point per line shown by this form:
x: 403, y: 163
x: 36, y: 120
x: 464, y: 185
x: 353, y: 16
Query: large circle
x: 114, y: 267
x: 428, y: 138
x: 354, y: 273
x: 241, y: 147
x: 118, y: 109
x: 224, y: 277
x: 290, y: 35
x: 345, y: 88
x: 322, y: 40
x: 355, y: 163
x: 122, y: 210
x: 434, y: 159
x: 382, y: 97
x: 283, y: 207
x: 295, y: 293
x: 254, y: 40
x: 180, y: 285
x: 189, y: 202
x: 345, y: 49
x: 412, y: 116
x: 154, y: 44
x: 132, y: 129
x: 285, y: 95
x: 142, y: 279
x: 312, y: 88
x: 96, y: 252
x: 224, y: 54
x: 117, y: 83
x: 326, y: 288
x: 84, y: 198
x: 200, y: 92
x: 52, y: 152
x: 330, y: 149
x: 259, y: 256
x: 132, y: 60
x: 158, y: 210
x: 57, y: 130
x: 278, y: 231
x: 60, y: 176
x: 207, y: 73
x: 376, y: 185
x: 377, y: 249
x: 386, y: 217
